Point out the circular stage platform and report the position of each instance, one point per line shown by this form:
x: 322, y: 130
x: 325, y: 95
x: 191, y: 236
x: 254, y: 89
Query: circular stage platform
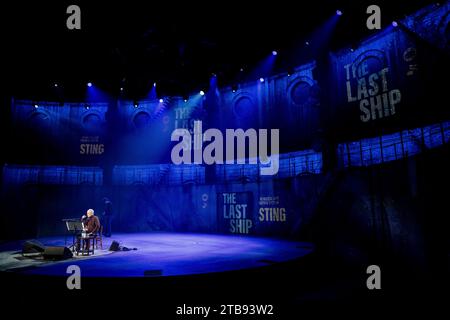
x: 162, y: 254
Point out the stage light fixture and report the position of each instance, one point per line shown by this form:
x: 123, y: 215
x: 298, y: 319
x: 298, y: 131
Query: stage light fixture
x: 36, y: 106
x: 261, y: 79
x: 202, y: 93
x: 306, y: 43
x: 89, y: 84
x: 55, y: 85
x: 274, y: 53
x: 121, y: 88
x: 154, y: 84
x: 234, y: 88
x: 161, y: 100
x: 339, y: 12
x: 86, y: 106
x: 394, y: 24
x: 135, y: 104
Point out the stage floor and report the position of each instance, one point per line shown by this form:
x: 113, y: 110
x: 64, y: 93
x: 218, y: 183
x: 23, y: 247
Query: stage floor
x: 165, y: 254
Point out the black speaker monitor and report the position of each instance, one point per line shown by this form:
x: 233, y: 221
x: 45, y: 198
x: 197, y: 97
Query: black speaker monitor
x: 32, y: 247
x: 57, y: 253
x: 114, y: 246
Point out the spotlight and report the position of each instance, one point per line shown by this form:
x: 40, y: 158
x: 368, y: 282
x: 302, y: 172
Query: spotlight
x: 55, y: 85
x: 36, y: 106
x: 202, y: 93
x: 352, y: 50
x: 234, y: 88
x: 339, y: 12
x: 161, y: 100
x: 121, y: 88
x: 135, y: 104
x: 394, y: 24
x: 89, y: 84
x: 261, y: 79
x: 86, y: 106
x: 154, y: 84
x: 274, y: 53
x: 306, y: 43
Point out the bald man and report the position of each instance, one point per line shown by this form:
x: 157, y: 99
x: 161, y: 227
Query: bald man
x: 91, y: 222
x: 91, y: 227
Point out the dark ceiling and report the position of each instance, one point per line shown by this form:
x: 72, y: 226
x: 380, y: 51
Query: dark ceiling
x: 178, y: 46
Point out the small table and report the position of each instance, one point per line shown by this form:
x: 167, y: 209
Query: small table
x: 86, y: 240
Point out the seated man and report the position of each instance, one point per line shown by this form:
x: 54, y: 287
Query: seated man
x: 91, y: 226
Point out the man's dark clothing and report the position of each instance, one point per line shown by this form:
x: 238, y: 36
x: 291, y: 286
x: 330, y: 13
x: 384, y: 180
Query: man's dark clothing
x: 92, y: 224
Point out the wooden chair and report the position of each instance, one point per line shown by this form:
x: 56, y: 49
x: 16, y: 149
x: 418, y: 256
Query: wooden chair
x: 99, y: 238
x: 86, y: 242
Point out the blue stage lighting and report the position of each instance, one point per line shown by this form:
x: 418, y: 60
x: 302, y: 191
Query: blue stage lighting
x: 261, y: 79
x: 394, y: 23
x: 89, y: 84
x: 154, y: 84
x: 274, y: 53
x: 339, y: 12
x: 36, y: 105
x: 202, y: 93
x: 161, y: 100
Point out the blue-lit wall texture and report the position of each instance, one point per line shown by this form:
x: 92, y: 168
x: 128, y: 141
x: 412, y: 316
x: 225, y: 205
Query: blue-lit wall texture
x: 394, y: 79
x: 392, y: 147
x: 136, y: 132
x: 382, y: 102
x: 169, y: 197
x: 52, y: 132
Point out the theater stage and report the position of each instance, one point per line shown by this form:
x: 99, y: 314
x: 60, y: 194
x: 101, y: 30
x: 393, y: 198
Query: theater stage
x: 162, y: 254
